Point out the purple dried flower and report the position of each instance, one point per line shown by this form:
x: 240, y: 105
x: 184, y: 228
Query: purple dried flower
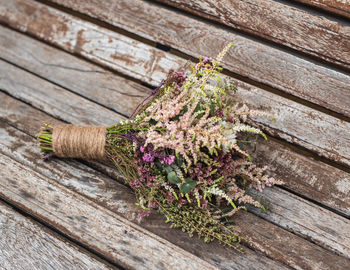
x: 142, y: 149
x: 207, y: 60
x: 148, y: 157
x: 179, y: 77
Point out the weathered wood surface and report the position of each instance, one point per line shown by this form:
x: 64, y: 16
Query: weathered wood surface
x: 291, y: 217
x: 109, y: 48
x: 81, y: 77
x: 283, y: 24
x: 264, y: 236
x: 54, y: 99
x: 27, y: 245
x: 307, y: 219
x: 306, y: 176
x: 34, y: 129
x: 86, y: 39
x: 340, y: 7
x: 303, y: 175
x: 251, y: 59
x: 110, y: 234
x: 119, y: 199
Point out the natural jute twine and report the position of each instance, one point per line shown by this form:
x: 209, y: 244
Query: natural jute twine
x: 79, y: 142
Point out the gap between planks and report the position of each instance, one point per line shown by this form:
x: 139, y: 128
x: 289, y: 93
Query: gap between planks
x: 162, y: 62
x: 84, y: 84
x: 275, y: 249
x: 119, y: 199
x: 25, y: 244
x: 308, y: 89
x: 40, y: 84
x: 288, y: 26
x: 338, y: 7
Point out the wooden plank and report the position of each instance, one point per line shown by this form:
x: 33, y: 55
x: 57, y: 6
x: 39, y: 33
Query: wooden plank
x: 264, y: 245
x: 27, y: 245
x: 294, y: 120
x: 250, y: 59
x: 293, y: 251
x: 339, y: 7
x: 114, y: 92
x: 298, y: 124
x: 58, y: 28
x: 108, y: 233
x: 299, y: 253
x: 303, y: 175
x: 307, y: 219
x: 46, y: 96
x: 306, y: 176
x: 283, y: 24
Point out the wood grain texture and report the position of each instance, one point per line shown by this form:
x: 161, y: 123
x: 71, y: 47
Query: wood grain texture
x: 294, y: 120
x: 58, y: 28
x: 264, y: 236
x: 65, y: 70
x: 339, y: 7
x: 49, y: 97
x: 108, y: 193
x: 27, y: 245
x: 303, y: 175
x: 306, y: 176
x: 307, y: 219
x: 110, y: 234
x: 26, y: 155
x: 122, y: 203
x: 251, y: 59
x: 286, y: 247
x: 280, y: 23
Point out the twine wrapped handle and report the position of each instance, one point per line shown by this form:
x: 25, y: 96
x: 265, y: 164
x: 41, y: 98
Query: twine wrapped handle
x: 71, y: 141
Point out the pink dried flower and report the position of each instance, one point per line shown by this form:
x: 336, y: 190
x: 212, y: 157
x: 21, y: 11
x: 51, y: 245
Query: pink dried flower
x: 168, y: 160
x: 153, y: 205
x: 205, y: 204
x: 143, y: 214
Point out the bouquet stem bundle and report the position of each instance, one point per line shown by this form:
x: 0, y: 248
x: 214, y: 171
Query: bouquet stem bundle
x: 179, y: 152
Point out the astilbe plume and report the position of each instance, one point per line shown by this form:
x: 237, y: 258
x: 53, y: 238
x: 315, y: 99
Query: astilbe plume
x: 185, y: 159
x: 180, y: 152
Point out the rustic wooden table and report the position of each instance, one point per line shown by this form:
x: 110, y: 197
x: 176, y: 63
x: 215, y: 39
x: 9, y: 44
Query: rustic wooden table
x: 91, y: 62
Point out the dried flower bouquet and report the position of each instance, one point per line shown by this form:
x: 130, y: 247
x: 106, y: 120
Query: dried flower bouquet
x: 180, y: 152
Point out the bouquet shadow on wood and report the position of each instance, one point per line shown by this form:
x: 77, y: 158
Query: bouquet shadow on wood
x: 181, y: 152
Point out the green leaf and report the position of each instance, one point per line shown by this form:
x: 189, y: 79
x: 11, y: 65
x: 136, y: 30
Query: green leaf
x: 159, y: 165
x: 168, y: 169
x: 187, y: 187
x: 212, y: 108
x: 189, y: 180
x: 172, y: 177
